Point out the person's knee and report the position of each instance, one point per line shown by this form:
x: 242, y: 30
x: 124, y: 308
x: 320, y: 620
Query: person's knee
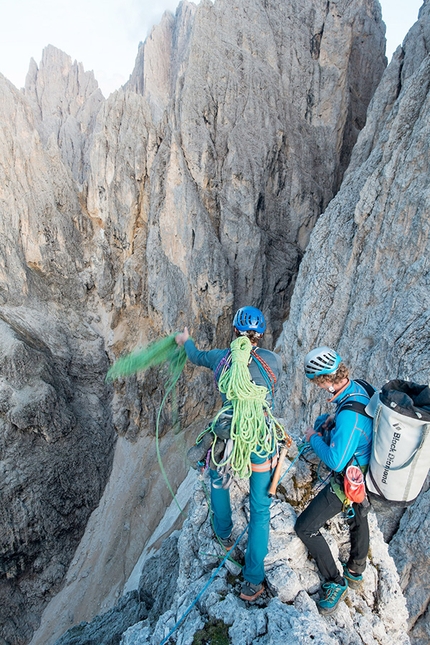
x: 260, y: 509
x: 299, y: 527
x: 305, y: 528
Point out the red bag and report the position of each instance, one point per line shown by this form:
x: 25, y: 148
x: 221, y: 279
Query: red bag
x: 353, y: 484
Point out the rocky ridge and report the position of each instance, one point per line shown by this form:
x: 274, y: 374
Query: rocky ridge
x: 191, y: 591
x: 121, y: 222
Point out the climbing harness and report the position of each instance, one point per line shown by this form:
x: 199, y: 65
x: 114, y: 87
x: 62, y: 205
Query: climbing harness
x: 269, y: 464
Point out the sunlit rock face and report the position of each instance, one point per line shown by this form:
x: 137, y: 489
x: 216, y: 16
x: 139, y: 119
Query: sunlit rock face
x: 65, y: 101
x: 363, y: 285
x: 264, y: 101
x: 189, y: 192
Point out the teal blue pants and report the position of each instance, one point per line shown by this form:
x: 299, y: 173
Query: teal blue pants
x: 258, y: 530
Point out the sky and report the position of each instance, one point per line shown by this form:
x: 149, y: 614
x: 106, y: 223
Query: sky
x: 104, y: 35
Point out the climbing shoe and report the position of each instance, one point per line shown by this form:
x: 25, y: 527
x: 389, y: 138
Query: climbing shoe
x: 354, y: 579
x: 332, y: 595
x: 227, y: 542
x: 251, y: 592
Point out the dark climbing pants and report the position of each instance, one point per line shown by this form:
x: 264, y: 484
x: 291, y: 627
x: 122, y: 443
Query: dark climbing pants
x: 322, y: 508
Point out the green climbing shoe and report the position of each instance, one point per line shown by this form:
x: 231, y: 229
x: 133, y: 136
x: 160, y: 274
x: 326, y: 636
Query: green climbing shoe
x: 332, y: 595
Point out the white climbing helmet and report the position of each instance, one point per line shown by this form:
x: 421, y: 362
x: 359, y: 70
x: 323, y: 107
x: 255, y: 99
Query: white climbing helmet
x: 321, y: 360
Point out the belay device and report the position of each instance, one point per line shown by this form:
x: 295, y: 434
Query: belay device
x: 400, y: 457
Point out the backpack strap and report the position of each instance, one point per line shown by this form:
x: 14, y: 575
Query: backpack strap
x: 369, y: 388
x: 266, y: 372
x: 356, y: 406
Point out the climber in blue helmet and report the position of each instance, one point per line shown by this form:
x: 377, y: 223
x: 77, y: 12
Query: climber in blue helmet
x: 264, y: 370
x: 339, y: 440
x: 249, y: 319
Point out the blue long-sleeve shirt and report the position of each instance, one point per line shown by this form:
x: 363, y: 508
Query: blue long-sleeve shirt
x: 212, y: 358
x: 351, y: 435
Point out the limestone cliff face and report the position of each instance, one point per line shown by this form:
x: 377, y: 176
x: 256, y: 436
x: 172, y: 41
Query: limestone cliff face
x: 363, y: 285
x: 261, y: 122
x: 57, y: 437
x: 65, y: 101
x: 189, y: 192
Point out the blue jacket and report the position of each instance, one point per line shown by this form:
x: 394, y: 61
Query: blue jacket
x: 351, y: 435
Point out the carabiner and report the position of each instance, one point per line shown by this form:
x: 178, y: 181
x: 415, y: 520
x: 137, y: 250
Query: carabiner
x: 349, y: 513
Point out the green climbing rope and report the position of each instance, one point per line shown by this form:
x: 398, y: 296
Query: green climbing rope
x: 166, y: 351
x: 253, y: 428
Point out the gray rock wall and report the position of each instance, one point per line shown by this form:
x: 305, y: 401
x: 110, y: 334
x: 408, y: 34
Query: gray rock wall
x: 261, y: 122
x: 65, y: 101
x: 189, y: 192
x: 56, y: 449
x: 57, y: 436
x: 363, y: 285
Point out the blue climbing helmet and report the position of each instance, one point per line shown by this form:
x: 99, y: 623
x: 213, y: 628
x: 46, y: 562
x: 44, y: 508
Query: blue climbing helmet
x: 249, y: 319
x: 321, y: 360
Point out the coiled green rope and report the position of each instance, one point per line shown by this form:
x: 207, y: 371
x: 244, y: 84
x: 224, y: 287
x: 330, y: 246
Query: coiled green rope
x: 253, y: 428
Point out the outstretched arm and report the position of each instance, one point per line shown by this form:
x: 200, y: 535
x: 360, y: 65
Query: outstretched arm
x: 203, y: 358
x: 182, y: 338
